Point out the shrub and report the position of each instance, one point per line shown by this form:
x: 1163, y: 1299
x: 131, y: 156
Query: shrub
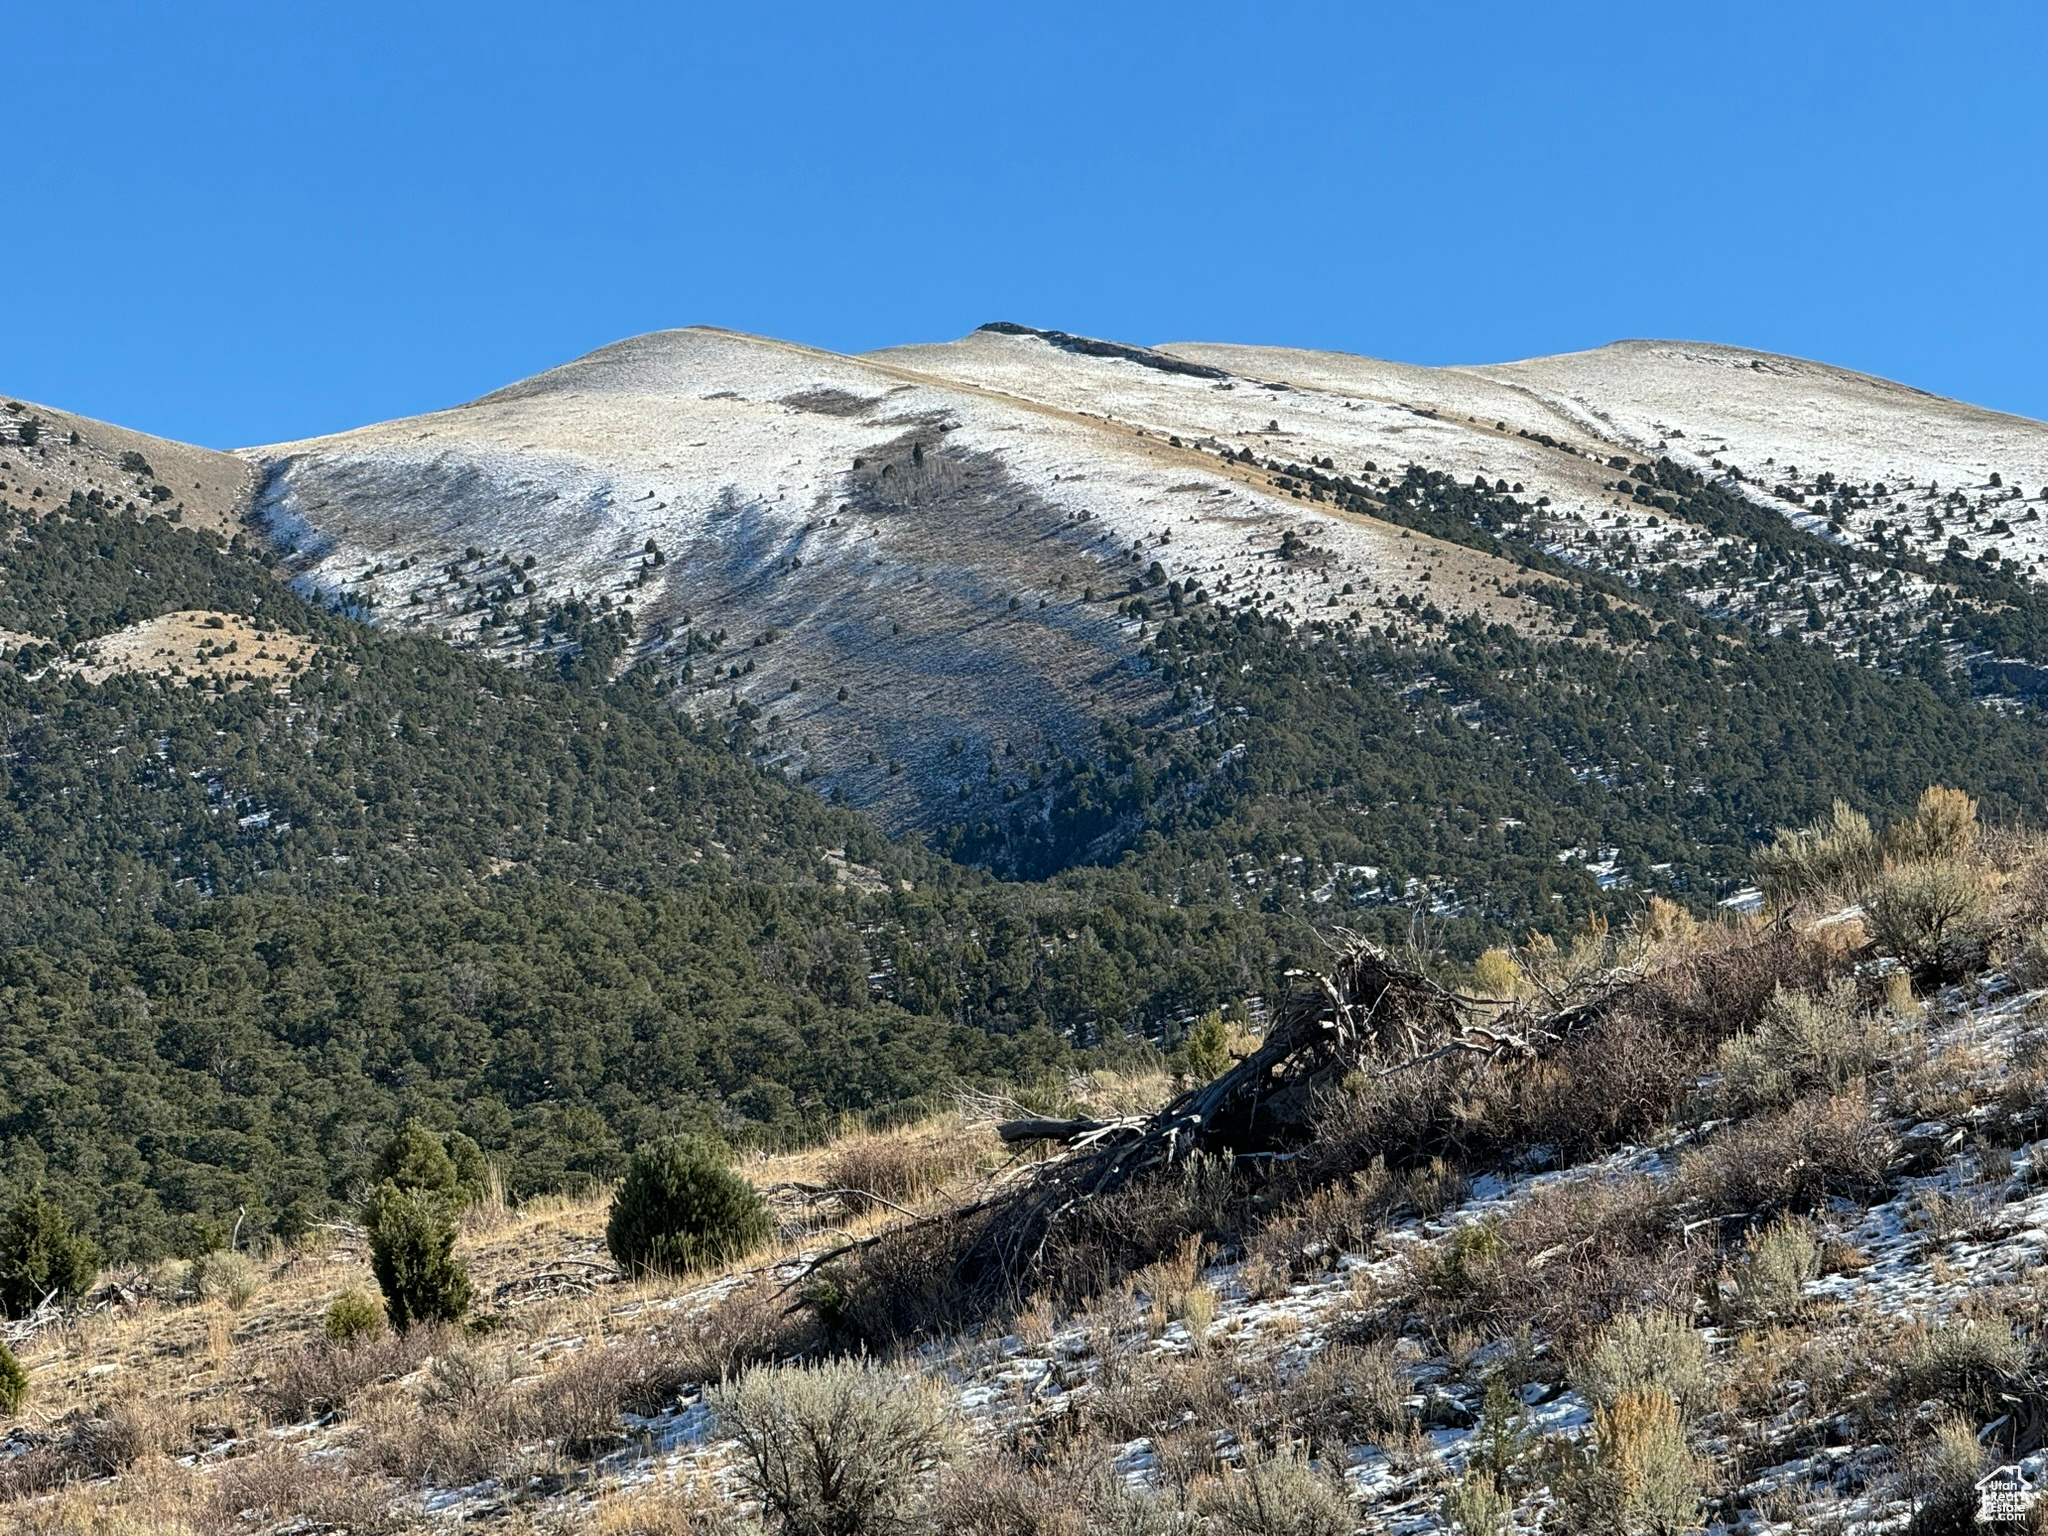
x: 1481, y: 1502
x: 412, y: 1254
x: 2030, y: 958
x: 351, y: 1316
x: 278, y: 1483
x: 41, y: 1256
x: 1966, y: 1365
x: 1567, y: 1261
x: 1477, y: 1505
x: 447, y: 1164
x: 1002, y: 1495
x: 1642, y: 1476
x: 1770, y: 1278
x: 1945, y: 1478
x: 222, y: 1275
x: 1308, y: 1233
x: 1931, y: 915
x: 13, y: 1383
x: 116, y: 1437
x: 1174, y: 1285
x: 1278, y: 1495
x: 320, y: 1376
x: 1835, y: 855
x: 1140, y: 1393
x: 747, y: 1326
x: 837, y: 1449
x: 1205, y: 1054
x: 1792, y: 1161
x: 1802, y: 1043
x: 1646, y: 1350
x: 578, y: 1406
x: 1348, y: 1395
x: 680, y: 1207
x: 1461, y: 1260
x: 1943, y: 826
x: 444, y: 1437
x: 1614, y: 1081
x: 1495, y: 974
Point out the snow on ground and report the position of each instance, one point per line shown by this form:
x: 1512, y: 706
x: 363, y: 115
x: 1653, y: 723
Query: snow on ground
x: 1697, y: 403
x: 1386, y: 412
x: 2000, y: 1234
x: 1908, y: 1272
x: 711, y: 482
x: 714, y: 484
x: 656, y: 436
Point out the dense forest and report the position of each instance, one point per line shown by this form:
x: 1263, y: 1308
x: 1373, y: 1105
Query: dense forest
x: 1479, y: 773
x: 245, y: 929
x: 251, y: 923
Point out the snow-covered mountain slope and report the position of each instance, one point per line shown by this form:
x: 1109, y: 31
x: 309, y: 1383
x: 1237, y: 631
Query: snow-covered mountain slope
x: 1294, y: 405
x: 904, y: 572
x: 46, y: 455
x: 914, y: 561
x: 1784, y: 422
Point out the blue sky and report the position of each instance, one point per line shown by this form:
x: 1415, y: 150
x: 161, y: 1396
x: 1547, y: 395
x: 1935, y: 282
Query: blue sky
x: 238, y: 223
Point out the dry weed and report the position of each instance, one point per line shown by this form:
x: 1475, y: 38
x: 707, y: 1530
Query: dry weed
x: 1792, y: 1161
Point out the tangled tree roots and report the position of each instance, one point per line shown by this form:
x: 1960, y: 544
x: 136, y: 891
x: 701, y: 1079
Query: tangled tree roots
x: 1369, y: 1014
x: 1369, y: 1017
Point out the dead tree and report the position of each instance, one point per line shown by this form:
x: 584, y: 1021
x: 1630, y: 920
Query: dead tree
x: 1369, y: 1018
x: 1368, y: 1015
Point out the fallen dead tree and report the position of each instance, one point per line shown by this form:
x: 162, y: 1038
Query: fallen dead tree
x: 1366, y: 1009
x: 1369, y: 1014
x: 1370, y: 1031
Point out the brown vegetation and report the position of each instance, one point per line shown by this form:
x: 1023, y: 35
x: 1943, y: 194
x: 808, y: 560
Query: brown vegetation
x: 1778, y: 1067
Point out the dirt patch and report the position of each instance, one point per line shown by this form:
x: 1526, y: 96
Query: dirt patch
x: 830, y: 402
x: 225, y: 648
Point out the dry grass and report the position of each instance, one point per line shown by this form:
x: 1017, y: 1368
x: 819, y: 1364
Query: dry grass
x: 214, y: 1352
x: 1595, y: 1277
x: 226, y: 649
x: 1566, y: 1261
x: 1346, y: 1395
x: 1792, y: 1161
x: 278, y: 1485
x: 318, y: 1377
x: 1946, y: 1083
x: 906, y: 1168
x: 1140, y: 1393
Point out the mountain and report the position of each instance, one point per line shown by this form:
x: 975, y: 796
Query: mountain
x: 1317, y: 798
x: 47, y: 454
x: 898, y: 560
x: 719, y: 734
x: 923, y: 568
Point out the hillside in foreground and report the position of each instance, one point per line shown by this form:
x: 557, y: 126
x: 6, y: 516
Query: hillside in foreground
x: 1739, y: 1234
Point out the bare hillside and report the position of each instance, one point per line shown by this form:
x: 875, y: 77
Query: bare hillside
x: 46, y: 455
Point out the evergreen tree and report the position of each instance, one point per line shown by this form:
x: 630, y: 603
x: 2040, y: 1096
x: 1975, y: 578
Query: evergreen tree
x: 681, y: 1207
x: 412, y: 1254
x: 42, y: 1257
